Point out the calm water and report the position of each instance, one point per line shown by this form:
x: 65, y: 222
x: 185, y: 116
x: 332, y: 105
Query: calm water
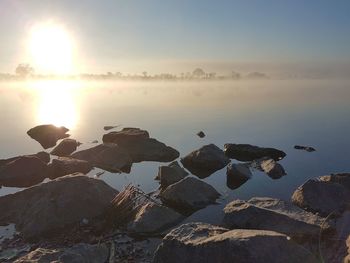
x: 267, y: 113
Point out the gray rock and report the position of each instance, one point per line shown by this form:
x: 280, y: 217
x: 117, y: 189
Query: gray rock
x: 247, y: 152
x: 65, y: 165
x: 140, y: 146
x: 197, y: 242
x: 48, y: 135
x: 107, y: 156
x: 305, y: 148
x: 43, y: 156
x: 189, y: 194
x: 153, y: 218
x: 65, y: 147
x: 205, y: 161
x: 271, y: 168
x: 322, y: 197
x: 52, y: 207
x: 170, y: 174
x: 84, y: 253
x: 237, y: 175
x: 23, y: 171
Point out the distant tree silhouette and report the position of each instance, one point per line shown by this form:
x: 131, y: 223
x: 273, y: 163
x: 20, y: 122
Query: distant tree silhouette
x: 24, y: 70
x: 198, y: 73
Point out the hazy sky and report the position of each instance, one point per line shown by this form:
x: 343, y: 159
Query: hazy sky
x: 149, y: 34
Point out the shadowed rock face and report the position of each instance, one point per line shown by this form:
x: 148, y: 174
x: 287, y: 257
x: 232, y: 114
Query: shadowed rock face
x: 170, y: 174
x: 48, y: 135
x: 140, y: 147
x: 247, y: 152
x: 269, y: 166
x: 52, y: 207
x: 205, y: 161
x: 197, y: 242
x: 237, y: 175
x: 64, y: 166
x: 65, y: 147
x: 340, y: 178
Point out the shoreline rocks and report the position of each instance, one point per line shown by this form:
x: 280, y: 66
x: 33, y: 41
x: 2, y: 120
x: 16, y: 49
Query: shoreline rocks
x: 247, y: 152
x: 65, y: 165
x: 66, y: 147
x: 48, y: 135
x: 170, y: 174
x: 237, y: 175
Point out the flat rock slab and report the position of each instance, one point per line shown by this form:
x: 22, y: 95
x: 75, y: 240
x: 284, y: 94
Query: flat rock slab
x: 205, y: 161
x: 140, y: 146
x: 107, y: 156
x: 189, y: 195
x: 325, y: 198
x: 247, y: 152
x: 78, y: 253
x: 170, y: 174
x: 237, y: 174
x: 23, y: 171
x: 48, y: 135
x: 43, y: 156
x: 52, y: 207
x: 197, y: 242
x: 66, y: 147
x: 65, y: 165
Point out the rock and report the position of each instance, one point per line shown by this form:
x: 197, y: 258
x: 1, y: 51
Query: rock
x: 244, y: 215
x: 305, y: 148
x: 140, y: 147
x: 271, y: 168
x: 340, y: 178
x: 107, y: 128
x: 153, y: 218
x: 189, y: 194
x: 94, y: 141
x: 198, y: 242
x: 347, y: 258
x: 205, y: 161
x: 43, y: 156
x: 322, y: 197
x: 65, y: 147
x: 170, y: 174
x: 23, y: 171
x: 53, y: 207
x: 78, y: 253
x: 247, y: 152
x: 48, y: 135
x: 237, y: 175
x: 64, y: 166
x: 201, y: 134
x: 107, y: 156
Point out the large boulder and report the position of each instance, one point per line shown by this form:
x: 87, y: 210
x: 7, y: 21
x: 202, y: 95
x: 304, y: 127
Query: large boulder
x: 247, y: 152
x: 205, y: 161
x: 23, y: 171
x: 78, y: 253
x: 65, y: 147
x: 140, y: 146
x: 189, y: 195
x: 340, y: 178
x: 107, y: 156
x: 52, y: 207
x: 323, y: 197
x: 170, y: 174
x: 237, y: 174
x: 197, y: 242
x: 65, y: 165
x: 48, y: 135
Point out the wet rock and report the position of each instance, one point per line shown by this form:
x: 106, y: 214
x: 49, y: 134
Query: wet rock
x: 270, y: 167
x: 170, y: 174
x: 322, y: 197
x: 247, y: 152
x: 237, y: 175
x: 43, y: 156
x: 48, y: 135
x: 78, y: 253
x: 140, y: 146
x: 245, y: 215
x: 65, y: 165
x: 23, y: 171
x: 107, y: 156
x: 189, y: 195
x: 201, y: 134
x: 198, y: 242
x: 107, y: 128
x: 65, y: 147
x: 305, y: 148
x: 205, y: 161
x: 340, y: 178
x: 52, y: 207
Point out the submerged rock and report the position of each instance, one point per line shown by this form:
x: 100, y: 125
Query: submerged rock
x: 78, y: 253
x: 201, y: 134
x: 140, y: 146
x: 65, y: 147
x: 64, y: 166
x: 48, y: 135
x: 205, y: 161
x: 52, y: 207
x: 237, y: 175
x: 23, y: 171
x: 107, y: 156
x: 247, y: 152
x: 198, y: 242
x: 170, y: 174
x: 107, y: 128
x: 270, y: 167
x: 305, y: 148
x: 189, y: 195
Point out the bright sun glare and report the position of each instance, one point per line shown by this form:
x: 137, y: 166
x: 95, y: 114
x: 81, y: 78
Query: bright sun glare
x: 51, y: 49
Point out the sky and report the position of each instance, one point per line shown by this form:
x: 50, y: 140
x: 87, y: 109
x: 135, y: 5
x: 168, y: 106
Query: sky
x: 156, y: 35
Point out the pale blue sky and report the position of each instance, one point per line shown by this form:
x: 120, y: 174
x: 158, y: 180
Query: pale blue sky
x: 113, y: 35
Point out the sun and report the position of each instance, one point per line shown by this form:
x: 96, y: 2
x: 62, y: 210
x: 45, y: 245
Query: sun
x: 51, y: 49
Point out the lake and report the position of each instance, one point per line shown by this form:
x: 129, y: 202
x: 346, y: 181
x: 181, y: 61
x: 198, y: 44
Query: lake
x: 271, y: 113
